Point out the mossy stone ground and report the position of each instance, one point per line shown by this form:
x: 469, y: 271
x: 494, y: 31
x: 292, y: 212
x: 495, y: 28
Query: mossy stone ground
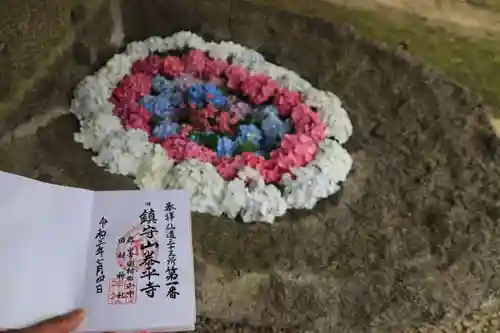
x: 411, y: 241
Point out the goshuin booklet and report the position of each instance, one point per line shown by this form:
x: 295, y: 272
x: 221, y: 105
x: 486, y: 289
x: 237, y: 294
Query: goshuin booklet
x: 124, y: 256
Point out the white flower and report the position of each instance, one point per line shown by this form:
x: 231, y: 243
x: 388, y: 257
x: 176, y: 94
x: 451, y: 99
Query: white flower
x: 156, y: 44
x: 234, y: 198
x: 334, y: 160
x: 249, y: 59
x: 154, y: 170
x: 123, y: 152
x: 89, y: 95
x: 224, y: 50
x: 138, y: 50
x: 263, y: 202
x: 94, y: 131
x: 331, y: 113
x: 203, y: 183
x: 187, y: 38
x: 293, y: 82
x: 118, y: 67
x: 310, y: 185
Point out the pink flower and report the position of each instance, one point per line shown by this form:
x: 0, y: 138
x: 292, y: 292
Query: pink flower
x: 198, y: 152
x: 149, y: 65
x: 181, y: 148
x: 235, y: 76
x: 214, y: 68
x: 252, y: 160
x: 228, y: 167
x: 259, y: 88
x: 172, y: 66
x: 132, y: 88
x: 271, y: 171
x: 136, y: 121
x: 195, y: 61
x: 296, y: 150
x: 133, y: 115
x: 286, y: 100
x: 124, y: 111
x: 185, y: 130
x: 223, y: 124
x: 175, y: 146
x: 307, y: 122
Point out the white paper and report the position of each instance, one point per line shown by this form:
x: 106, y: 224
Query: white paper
x: 43, y: 249
x: 122, y: 211
x: 48, y: 253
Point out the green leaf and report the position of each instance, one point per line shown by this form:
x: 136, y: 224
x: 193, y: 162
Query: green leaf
x: 246, y: 147
x: 209, y: 140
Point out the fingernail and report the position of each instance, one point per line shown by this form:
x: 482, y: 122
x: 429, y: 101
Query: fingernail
x: 78, y: 313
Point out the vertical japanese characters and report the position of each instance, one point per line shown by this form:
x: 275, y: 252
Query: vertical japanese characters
x: 150, y: 251
x: 171, y: 275
x: 99, y: 253
x: 123, y: 288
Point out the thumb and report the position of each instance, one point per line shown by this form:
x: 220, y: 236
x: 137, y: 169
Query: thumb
x: 60, y: 324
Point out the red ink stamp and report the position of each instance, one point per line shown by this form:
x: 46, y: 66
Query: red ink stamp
x: 122, y: 291
x: 133, y: 249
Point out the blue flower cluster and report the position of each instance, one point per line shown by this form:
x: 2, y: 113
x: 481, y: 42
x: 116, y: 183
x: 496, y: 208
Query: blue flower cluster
x: 261, y: 135
x: 201, y: 94
x: 264, y: 138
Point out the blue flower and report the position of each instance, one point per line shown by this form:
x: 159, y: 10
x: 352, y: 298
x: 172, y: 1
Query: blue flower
x: 269, y: 144
x: 165, y: 129
x: 270, y: 109
x: 225, y: 146
x: 219, y: 101
x: 249, y: 133
x: 163, y: 105
x: 210, y: 88
x: 160, y: 84
x: 196, y: 95
x: 273, y: 127
x: 176, y: 99
x: 260, y: 113
x: 148, y: 101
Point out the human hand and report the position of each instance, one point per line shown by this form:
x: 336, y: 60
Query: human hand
x: 61, y: 324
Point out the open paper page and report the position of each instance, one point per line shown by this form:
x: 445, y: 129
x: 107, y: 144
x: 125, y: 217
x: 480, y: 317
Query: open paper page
x: 44, y: 232
x: 140, y: 271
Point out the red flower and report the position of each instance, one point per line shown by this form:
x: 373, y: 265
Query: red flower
x: 132, y: 88
x: 259, y: 88
x: 195, y: 61
x: 286, y: 100
x: 214, y: 69
x: 271, y: 171
x: 223, y: 124
x: 185, y: 130
x: 307, y: 122
x: 228, y: 167
x: 252, y: 160
x: 235, y: 76
x: 133, y: 115
x: 172, y: 66
x: 181, y: 148
x: 149, y: 65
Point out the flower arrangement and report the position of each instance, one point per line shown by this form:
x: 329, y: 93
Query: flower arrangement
x: 243, y: 136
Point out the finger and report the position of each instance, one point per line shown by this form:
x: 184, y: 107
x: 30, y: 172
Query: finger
x: 60, y: 324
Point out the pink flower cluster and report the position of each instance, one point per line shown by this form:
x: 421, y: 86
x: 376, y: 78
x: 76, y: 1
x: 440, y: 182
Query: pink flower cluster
x: 181, y: 148
x: 125, y: 98
x: 295, y: 150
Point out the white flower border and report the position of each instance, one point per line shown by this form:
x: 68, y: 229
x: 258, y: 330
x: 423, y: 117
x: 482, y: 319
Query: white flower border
x: 128, y: 152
